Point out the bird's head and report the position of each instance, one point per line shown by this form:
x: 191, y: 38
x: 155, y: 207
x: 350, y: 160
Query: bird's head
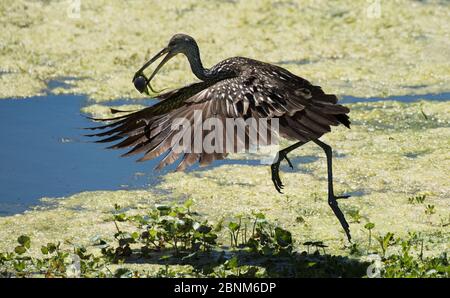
x: 181, y: 43
x: 178, y: 44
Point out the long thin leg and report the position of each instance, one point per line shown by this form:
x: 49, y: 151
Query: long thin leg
x: 275, y: 167
x: 332, y: 199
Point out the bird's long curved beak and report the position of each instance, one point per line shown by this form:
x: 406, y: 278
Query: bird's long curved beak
x: 169, y: 55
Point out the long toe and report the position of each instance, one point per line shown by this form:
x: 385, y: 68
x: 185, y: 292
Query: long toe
x: 276, y: 177
x: 289, y: 162
x: 342, y: 197
x: 277, y: 184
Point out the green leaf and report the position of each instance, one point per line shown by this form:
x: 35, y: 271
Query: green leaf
x: 387, y: 239
x: 233, y: 226
x: 24, y: 240
x: 51, y: 247
x: 369, y: 226
x: 232, y: 263
x: 153, y: 233
x: 120, y: 217
x: 44, y: 250
x: 19, y: 266
x: 259, y: 215
x: 162, y: 207
x: 188, y: 203
x: 283, y: 237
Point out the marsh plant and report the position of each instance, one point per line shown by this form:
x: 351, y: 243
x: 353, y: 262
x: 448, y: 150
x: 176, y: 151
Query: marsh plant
x: 369, y: 226
x: 430, y: 210
x: 316, y: 244
x: 419, y: 199
x: 172, y: 228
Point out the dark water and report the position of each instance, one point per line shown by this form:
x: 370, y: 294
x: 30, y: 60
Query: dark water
x: 43, y: 152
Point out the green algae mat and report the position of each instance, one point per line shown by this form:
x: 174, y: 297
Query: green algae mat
x: 398, y: 178
x: 339, y: 45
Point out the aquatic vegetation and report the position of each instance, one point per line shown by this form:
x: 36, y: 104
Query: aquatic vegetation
x: 375, y: 170
x: 417, y: 199
x: 101, y: 111
x: 386, y: 241
x: 369, y: 226
x: 394, y: 161
x: 401, y: 51
x: 181, y: 244
x: 404, y: 264
x: 430, y: 210
x: 354, y: 215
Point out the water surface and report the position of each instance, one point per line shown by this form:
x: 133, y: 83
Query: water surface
x: 43, y: 152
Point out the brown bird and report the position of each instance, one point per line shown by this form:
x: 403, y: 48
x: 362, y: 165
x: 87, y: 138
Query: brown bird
x: 235, y: 88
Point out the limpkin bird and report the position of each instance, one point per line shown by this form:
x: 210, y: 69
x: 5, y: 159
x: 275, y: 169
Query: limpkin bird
x: 237, y: 87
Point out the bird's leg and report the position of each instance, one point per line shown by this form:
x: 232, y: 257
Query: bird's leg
x: 332, y: 199
x: 275, y: 167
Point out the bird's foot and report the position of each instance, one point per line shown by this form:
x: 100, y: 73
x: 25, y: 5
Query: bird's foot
x: 275, y: 168
x: 332, y: 201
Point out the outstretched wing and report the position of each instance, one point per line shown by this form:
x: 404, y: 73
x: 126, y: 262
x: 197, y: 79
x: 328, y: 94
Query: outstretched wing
x: 305, y: 112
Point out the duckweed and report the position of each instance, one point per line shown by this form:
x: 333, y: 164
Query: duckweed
x: 403, y: 50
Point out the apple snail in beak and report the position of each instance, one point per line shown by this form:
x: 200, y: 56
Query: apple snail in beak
x: 140, y: 83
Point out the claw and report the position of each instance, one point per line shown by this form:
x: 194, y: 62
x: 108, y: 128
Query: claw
x: 276, y: 177
x: 277, y: 186
x: 276, y: 171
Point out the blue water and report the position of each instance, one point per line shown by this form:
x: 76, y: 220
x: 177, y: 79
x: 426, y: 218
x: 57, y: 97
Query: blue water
x: 445, y: 96
x: 43, y: 152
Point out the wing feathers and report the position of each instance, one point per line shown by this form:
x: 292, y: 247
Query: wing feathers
x: 305, y: 112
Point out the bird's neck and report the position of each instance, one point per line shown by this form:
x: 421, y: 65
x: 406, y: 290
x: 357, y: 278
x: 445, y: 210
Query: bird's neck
x: 197, y: 66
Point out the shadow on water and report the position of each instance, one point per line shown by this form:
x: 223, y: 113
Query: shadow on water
x: 44, y: 154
